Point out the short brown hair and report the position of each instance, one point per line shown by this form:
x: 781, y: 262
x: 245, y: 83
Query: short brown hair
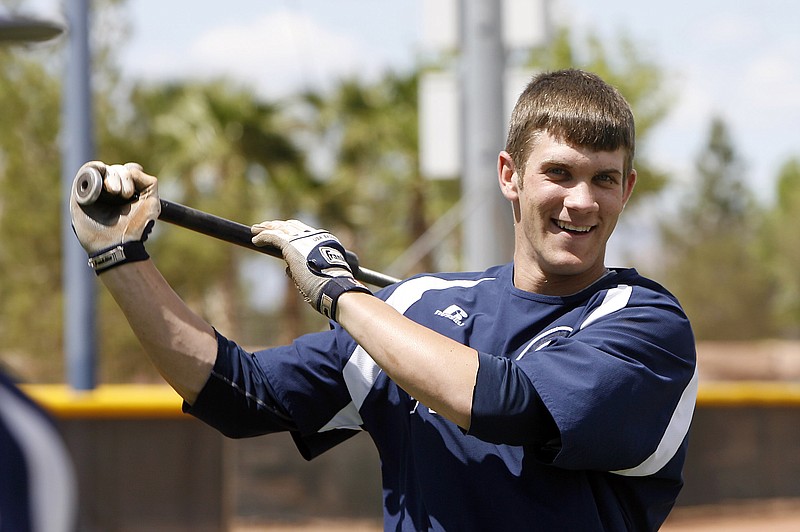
x: 575, y: 106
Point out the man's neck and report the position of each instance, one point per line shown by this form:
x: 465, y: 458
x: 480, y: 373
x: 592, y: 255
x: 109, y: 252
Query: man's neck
x: 558, y: 285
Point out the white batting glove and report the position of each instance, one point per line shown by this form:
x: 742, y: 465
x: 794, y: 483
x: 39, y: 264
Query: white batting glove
x: 316, y: 262
x: 113, y: 232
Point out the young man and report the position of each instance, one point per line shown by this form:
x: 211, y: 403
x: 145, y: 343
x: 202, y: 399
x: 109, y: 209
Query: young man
x: 551, y: 393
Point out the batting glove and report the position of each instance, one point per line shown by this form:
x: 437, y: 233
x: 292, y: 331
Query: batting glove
x: 113, y: 229
x: 315, y: 259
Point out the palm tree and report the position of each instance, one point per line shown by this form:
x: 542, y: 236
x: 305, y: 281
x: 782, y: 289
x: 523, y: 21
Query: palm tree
x: 373, y: 194
x: 30, y: 254
x: 221, y: 150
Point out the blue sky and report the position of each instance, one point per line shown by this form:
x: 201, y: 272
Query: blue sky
x: 739, y: 60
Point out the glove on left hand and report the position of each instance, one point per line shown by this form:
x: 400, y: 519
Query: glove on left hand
x: 112, y: 233
x: 316, y: 262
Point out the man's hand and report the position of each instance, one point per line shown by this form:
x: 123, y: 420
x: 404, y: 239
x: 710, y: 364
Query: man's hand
x: 316, y: 262
x: 102, y: 225
x: 112, y: 232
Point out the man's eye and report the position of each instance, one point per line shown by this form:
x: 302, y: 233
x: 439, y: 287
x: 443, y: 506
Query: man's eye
x: 606, y: 179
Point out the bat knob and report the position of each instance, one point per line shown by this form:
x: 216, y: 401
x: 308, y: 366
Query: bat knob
x: 88, y: 186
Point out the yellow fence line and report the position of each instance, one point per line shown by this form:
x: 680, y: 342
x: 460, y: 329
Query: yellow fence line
x: 749, y: 393
x: 159, y: 400
x: 108, y: 401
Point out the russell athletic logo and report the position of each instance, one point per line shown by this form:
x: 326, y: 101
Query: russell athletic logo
x: 453, y: 313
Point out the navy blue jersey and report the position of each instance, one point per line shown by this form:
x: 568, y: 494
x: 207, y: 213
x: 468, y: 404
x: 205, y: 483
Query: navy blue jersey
x: 614, y: 365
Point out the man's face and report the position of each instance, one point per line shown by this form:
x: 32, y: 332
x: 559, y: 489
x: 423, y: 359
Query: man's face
x: 565, y: 207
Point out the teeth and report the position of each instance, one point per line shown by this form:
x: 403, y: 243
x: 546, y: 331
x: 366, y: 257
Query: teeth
x: 570, y: 227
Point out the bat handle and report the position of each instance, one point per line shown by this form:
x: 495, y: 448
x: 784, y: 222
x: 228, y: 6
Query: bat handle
x: 88, y: 189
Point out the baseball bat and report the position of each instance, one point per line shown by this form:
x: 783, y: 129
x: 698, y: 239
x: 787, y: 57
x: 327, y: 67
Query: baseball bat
x: 88, y: 189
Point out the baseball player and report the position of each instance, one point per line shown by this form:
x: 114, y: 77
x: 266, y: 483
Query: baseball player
x: 550, y: 393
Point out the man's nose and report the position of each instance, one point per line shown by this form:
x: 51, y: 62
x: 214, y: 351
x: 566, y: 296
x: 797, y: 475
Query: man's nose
x: 580, y: 197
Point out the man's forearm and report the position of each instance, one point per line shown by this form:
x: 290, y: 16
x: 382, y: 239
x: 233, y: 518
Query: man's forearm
x: 437, y: 371
x: 181, y: 345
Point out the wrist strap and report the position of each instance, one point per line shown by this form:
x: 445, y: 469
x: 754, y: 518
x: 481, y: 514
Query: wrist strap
x: 117, y: 256
x: 335, y: 287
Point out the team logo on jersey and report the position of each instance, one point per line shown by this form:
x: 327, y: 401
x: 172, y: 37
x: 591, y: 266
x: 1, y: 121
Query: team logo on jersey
x: 453, y: 313
x: 545, y: 339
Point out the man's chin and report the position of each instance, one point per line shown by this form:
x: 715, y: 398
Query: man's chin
x: 574, y: 267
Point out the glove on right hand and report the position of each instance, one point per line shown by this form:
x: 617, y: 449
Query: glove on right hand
x: 315, y: 259
x: 102, y: 225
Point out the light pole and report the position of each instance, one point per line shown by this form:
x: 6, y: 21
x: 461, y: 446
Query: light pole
x: 486, y: 222
x: 77, y: 148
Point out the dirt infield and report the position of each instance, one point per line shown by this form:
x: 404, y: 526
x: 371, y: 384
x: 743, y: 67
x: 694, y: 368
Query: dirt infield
x: 761, y: 516
x: 781, y: 515
x: 321, y: 525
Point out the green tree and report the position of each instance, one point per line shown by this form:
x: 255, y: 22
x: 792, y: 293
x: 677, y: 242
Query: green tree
x: 711, y: 248
x: 222, y: 150
x: 30, y: 250
x: 373, y: 194
x: 781, y: 251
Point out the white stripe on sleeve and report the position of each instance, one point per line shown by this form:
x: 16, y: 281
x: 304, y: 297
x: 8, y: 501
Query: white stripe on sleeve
x: 360, y: 371
x: 673, y: 437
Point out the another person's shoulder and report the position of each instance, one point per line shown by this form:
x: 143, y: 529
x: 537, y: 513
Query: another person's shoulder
x: 10, y: 385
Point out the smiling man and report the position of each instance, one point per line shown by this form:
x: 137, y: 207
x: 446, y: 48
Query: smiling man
x: 566, y: 205
x: 550, y: 393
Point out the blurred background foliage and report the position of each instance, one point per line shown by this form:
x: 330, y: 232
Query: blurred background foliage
x: 346, y: 159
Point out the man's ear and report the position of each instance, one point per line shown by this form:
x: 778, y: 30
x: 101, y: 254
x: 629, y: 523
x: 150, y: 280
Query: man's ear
x: 630, y: 183
x: 507, y: 176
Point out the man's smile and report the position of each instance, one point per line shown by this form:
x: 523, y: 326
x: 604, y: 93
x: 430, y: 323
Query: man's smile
x: 570, y: 228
